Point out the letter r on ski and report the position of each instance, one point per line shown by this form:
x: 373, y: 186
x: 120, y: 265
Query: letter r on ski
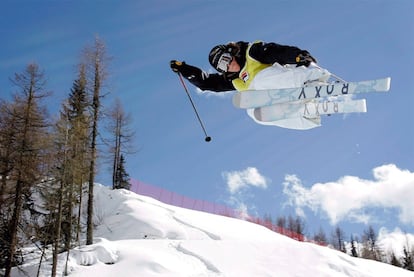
x: 345, y: 88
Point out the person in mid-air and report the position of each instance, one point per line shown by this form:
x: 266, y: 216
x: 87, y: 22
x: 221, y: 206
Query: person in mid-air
x: 258, y: 65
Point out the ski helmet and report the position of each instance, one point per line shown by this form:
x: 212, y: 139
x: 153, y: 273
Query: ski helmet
x: 221, y: 56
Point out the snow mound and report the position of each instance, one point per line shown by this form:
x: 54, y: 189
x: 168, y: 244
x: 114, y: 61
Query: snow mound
x: 125, y: 215
x: 102, y: 251
x: 139, y: 236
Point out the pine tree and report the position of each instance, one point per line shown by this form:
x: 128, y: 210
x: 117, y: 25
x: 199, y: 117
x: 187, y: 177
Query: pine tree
x: 122, y: 177
x: 31, y: 134
x: 62, y: 177
x: 268, y: 221
x: 79, y: 121
x: 70, y: 156
x: 95, y: 58
x: 370, y: 249
x: 407, y: 259
x: 354, y: 251
x: 320, y: 237
x: 338, y: 239
x: 7, y: 155
x: 7, y: 150
x: 122, y: 137
x: 281, y: 224
x: 296, y: 226
x: 394, y: 260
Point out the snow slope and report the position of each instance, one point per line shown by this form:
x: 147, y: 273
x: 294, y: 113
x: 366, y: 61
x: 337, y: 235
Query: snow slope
x: 139, y: 236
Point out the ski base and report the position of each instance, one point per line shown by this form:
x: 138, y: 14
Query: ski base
x: 310, y: 109
x: 259, y: 98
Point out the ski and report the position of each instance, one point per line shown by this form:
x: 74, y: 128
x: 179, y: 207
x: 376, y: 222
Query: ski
x: 312, y: 108
x: 259, y: 98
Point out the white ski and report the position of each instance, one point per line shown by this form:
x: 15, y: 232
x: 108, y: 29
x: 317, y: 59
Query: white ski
x: 259, y: 98
x: 312, y: 108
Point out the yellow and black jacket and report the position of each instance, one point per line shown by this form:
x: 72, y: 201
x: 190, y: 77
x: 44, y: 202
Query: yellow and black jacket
x: 252, y: 58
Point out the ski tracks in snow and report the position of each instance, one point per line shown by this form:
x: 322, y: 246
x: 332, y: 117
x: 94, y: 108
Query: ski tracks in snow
x: 210, y: 235
x: 211, y: 269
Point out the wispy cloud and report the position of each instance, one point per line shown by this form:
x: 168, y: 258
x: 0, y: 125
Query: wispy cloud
x: 238, y: 180
x: 350, y: 198
x: 238, y: 185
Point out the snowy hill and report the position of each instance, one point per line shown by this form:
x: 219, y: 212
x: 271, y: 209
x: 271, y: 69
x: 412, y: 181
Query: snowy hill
x: 139, y: 236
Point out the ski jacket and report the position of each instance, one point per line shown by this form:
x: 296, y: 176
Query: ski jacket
x: 252, y: 58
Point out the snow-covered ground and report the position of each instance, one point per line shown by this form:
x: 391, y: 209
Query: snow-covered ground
x: 140, y: 236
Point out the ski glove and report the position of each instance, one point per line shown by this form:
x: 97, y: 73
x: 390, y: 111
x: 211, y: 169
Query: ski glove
x: 186, y: 70
x: 177, y: 66
x: 304, y: 58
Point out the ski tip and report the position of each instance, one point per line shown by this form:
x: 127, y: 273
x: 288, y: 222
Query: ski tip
x: 388, y: 83
x: 258, y: 114
x: 363, y: 106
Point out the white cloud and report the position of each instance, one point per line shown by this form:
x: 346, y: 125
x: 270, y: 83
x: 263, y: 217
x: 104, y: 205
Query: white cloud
x: 238, y: 183
x: 349, y: 197
x: 242, y: 209
x: 237, y: 180
x: 394, y: 241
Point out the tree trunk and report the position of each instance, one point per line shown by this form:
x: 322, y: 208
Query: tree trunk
x: 57, y: 231
x: 95, y: 105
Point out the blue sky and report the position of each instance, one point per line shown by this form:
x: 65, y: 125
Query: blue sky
x: 277, y: 171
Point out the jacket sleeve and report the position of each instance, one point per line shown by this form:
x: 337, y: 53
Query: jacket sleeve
x: 271, y: 53
x: 204, y: 81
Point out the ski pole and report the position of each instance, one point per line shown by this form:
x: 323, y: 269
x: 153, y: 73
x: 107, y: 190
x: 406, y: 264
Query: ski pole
x: 207, y: 138
x: 333, y: 75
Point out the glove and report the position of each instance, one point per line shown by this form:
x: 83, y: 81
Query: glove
x: 177, y: 66
x: 188, y: 71
x: 304, y: 58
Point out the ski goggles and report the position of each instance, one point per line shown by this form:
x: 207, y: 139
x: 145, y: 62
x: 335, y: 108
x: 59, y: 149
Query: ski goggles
x: 224, y: 62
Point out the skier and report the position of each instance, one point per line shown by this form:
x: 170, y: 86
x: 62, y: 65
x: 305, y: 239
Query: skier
x: 255, y: 66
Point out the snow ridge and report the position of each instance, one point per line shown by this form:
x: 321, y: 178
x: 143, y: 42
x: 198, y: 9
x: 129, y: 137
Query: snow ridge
x: 139, y: 236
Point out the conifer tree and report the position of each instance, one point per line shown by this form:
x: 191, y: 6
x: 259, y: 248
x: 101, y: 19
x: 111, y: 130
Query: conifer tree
x: 122, y: 177
x: 71, y: 148
x: 121, y: 142
x: 95, y: 59
x: 7, y: 154
x: 62, y: 176
x: 281, y: 224
x: 31, y: 134
x: 407, y: 259
x: 320, y: 237
x: 354, y: 251
x: 338, y: 239
x: 79, y: 127
x: 394, y: 260
x: 370, y: 249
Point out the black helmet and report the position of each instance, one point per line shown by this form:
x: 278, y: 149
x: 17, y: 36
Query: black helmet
x: 221, y: 55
